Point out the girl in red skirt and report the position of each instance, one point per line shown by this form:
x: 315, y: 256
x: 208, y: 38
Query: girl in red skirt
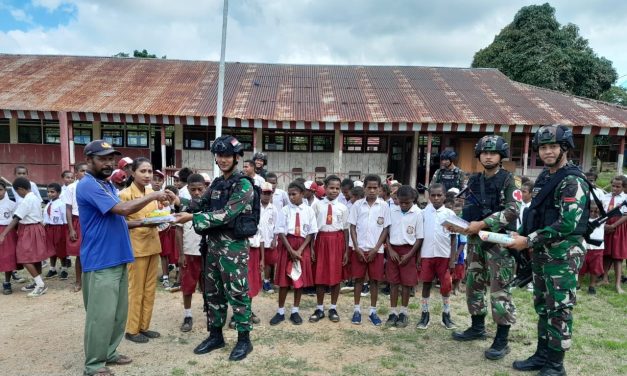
x: 55, y: 223
x: 8, y: 242
x: 31, y: 248
x: 615, y: 231
x: 296, y: 228
x: 73, y: 239
x: 330, y: 248
x: 593, y: 262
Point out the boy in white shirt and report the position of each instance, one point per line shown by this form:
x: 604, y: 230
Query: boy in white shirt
x: 267, y: 221
x: 55, y: 223
x: 369, y: 221
x: 249, y: 170
x: 404, y: 241
x: 437, y: 256
x: 7, y: 247
x: 22, y: 172
x: 279, y: 196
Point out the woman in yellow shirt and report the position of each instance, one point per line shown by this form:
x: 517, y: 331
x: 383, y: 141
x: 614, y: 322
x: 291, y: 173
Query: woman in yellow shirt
x: 142, y: 274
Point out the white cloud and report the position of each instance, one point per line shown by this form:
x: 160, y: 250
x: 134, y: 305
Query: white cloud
x: 21, y: 16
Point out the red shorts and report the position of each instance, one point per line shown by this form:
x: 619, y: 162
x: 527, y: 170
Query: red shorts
x: 437, y: 266
x: 74, y: 247
x: 406, y: 274
x: 593, y: 263
x: 191, y: 274
x: 374, y: 268
x: 254, y: 272
x: 460, y: 272
x: 8, y: 262
x: 270, y: 256
x: 281, y: 278
x: 169, y: 248
x: 329, y: 247
x: 56, y: 236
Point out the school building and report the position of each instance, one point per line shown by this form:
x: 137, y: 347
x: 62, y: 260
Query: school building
x: 311, y: 120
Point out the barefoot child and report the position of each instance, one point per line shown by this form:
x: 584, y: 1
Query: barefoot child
x: 55, y: 223
x: 593, y: 263
x: 73, y: 240
x: 404, y: 241
x: 7, y: 246
x: 369, y: 220
x: 330, y: 248
x: 296, y: 228
x: 615, y: 231
x: 31, y: 247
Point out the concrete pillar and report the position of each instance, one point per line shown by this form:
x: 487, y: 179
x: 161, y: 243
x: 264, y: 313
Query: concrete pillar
x: 64, y: 139
x: 586, y: 153
x: 413, y: 169
x: 621, y: 156
x: 257, y: 139
x: 13, y: 130
x: 163, y: 160
x: 96, y: 130
x: 337, y: 152
x: 525, y: 155
x: 428, y: 160
x: 178, y: 137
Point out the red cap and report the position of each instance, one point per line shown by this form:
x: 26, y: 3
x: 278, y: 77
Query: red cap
x: 158, y: 172
x: 123, y: 162
x: 118, y: 176
x: 320, y: 192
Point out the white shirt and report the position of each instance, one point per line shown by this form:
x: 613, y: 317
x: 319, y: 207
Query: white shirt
x: 315, y: 199
x: 57, y: 213
x: 342, y: 199
x: 287, y: 220
x: 258, y: 179
x: 599, y: 192
x: 280, y: 199
x: 437, y: 241
x: 369, y: 222
x: 598, y: 233
x: 406, y: 227
x: 33, y: 188
x: 7, y: 207
x: 69, y: 197
x: 268, y: 219
x: 191, y: 240
x: 522, y: 210
x: 184, y: 193
x: 618, y: 199
x: 339, y: 216
x: 29, y: 209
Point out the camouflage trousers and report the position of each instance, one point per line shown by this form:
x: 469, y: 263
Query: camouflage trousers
x: 494, y: 268
x: 555, y: 273
x: 225, y: 269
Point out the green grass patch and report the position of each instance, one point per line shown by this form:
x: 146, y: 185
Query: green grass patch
x: 178, y: 372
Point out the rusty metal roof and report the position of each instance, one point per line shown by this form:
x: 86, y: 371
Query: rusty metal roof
x: 281, y: 92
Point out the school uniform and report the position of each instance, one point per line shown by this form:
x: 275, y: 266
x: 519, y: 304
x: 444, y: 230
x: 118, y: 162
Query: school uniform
x: 69, y: 198
x: 167, y: 238
x: 280, y: 199
x: 593, y: 262
x: 254, y: 267
x: 33, y: 189
x: 267, y: 221
x: 258, y: 180
x: 460, y: 267
x: 435, y: 253
x: 330, y: 244
x: 295, y: 222
x: 192, y: 271
x: 56, y: 227
x: 405, y: 229
x: 523, y: 206
x: 31, y: 236
x: 369, y: 222
x: 615, y: 242
x: 8, y: 261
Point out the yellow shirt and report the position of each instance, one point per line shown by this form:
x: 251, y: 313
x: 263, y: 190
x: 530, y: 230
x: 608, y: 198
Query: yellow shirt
x: 145, y: 240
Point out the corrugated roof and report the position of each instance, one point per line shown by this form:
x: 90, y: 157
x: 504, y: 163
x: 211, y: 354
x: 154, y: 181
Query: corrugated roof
x: 280, y: 92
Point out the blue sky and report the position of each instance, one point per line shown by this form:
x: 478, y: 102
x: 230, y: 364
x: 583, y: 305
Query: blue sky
x: 399, y: 32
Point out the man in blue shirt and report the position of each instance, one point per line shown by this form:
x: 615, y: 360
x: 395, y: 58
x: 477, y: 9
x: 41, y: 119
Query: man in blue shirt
x: 105, y: 251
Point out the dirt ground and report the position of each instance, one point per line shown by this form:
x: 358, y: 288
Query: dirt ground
x: 43, y: 336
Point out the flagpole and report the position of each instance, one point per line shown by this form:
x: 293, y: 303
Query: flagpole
x: 218, y: 118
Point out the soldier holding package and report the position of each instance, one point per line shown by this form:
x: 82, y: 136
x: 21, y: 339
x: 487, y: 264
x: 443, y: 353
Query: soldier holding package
x: 554, y: 227
x: 493, y: 203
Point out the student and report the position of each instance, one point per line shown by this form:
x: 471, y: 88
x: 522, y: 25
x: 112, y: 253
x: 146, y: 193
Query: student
x: 249, y: 170
x: 593, y: 263
x: 67, y: 177
x: 74, y: 237
x: 169, y: 251
x: 615, y: 231
x: 296, y: 228
x: 176, y: 248
x: 55, y: 222
x: 437, y: 256
x: 356, y: 193
x: 31, y: 247
x: 345, y: 197
x: 279, y: 197
x: 369, y: 220
x: 22, y: 172
x: 385, y: 192
x: 8, y: 242
x: 190, y: 260
x: 158, y: 178
x: 404, y: 241
x: 330, y: 248
x: 267, y: 221
x: 460, y: 266
x: 182, y: 176
x: 309, y: 196
x: 118, y: 178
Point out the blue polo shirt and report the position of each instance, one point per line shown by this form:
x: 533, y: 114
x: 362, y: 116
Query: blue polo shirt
x: 105, y: 237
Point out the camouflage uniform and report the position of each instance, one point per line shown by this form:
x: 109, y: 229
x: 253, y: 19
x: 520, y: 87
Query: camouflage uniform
x: 450, y: 178
x: 491, y: 264
x: 556, y: 259
x: 225, y: 266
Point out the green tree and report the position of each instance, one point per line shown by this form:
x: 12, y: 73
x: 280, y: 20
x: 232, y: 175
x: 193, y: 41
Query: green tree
x: 142, y: 54
x: 535, y: 49
x: 616, y: 94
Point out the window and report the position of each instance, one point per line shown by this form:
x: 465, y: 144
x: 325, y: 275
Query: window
x: 323, y: 143
x: 298, y: 143
x: 517, y: 148
x: 113, y: 133
x: 52, y: 135
x: 197, y: 138
x: 5, y: 131
x: 244, y: 136
x: 377, y: 144
x: 353, y: 143
x: 82, y: 134
x: 29, y: 132
x: 367, y: 144
x: 273, y: 141
x: 138, y: 139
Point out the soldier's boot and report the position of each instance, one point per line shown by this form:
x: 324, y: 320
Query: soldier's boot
x: 554, y: 365
x: 242, y: 348
x: 499, y: 347
x: 536, y: 361
x: 213, y: 342
x: 476, y: 330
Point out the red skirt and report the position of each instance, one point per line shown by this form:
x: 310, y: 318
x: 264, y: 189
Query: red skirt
x: 616, y: 242
x: 281, y: 278
x: 460, y: 272
x: 270, y: 256
x: 56, y: 236
x: 8, y: 261
x: 347, y: 273
x: 254, y: 272
x: 168, y: 244
x: 329, y: 247
x: 32, y: 246
x: 74, y: 247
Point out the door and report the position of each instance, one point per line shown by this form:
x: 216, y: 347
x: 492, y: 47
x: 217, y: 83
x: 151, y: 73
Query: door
x: 399, y: 159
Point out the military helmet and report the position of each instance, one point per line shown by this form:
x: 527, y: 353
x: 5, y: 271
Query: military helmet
x: 448, y: 155
x: 493, y: 143
x: 553, y: 134
x: 227, y: 145
x: 261, y: 156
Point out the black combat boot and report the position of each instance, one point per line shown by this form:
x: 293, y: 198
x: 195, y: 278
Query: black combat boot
x: 243, y: 346
x: 476, y: 330
x: 554, y: 365
x: 499, y: 347
x: 536, y: 361
x: 213, y: 342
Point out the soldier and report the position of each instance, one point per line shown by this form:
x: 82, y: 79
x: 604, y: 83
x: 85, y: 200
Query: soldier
x: 449, y: 174
x: 554, y: 227
x: 493, y: 203
x: 225, y: 268
x: 261, y: 160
